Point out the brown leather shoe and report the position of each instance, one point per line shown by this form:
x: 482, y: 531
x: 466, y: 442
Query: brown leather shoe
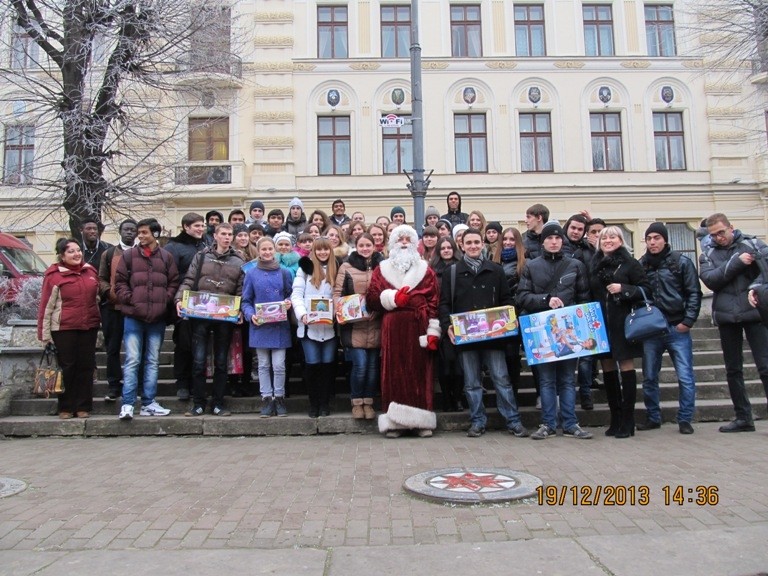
x: 66, y: 415
x: 83, y: 414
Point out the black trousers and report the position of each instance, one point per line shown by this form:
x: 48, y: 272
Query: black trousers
x: 77, y: 360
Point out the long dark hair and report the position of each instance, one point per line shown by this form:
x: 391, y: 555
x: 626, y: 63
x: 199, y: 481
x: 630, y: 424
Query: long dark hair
x: 436, y: 259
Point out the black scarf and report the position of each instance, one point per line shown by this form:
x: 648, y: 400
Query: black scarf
x: 653, y: 261
x: 605, y: 268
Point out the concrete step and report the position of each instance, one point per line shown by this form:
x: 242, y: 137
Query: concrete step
x: 301, y: 425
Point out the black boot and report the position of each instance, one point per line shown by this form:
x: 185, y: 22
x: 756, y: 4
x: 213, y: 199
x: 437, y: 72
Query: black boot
x: 611, y: 380
x: 629, y: 397
x: 312, y: 375
x: 325, y: 385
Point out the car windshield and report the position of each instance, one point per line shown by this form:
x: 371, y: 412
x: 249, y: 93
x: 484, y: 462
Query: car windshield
x: 26, y: 261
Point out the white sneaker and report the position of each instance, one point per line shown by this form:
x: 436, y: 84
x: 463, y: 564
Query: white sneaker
x: 126, y: 412
x: 154, y: 409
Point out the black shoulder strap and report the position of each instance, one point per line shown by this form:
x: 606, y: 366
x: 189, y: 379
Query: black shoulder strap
x: 453, y: 285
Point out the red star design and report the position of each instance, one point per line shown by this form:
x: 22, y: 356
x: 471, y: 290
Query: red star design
x: 473, y: 482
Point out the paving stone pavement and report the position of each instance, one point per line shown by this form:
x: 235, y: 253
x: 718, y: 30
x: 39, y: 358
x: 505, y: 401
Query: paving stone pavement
x: 342, y: 493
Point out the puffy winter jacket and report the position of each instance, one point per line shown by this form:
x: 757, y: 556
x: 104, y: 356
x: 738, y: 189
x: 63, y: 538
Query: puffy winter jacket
x: 675, y: 286
x: 354, y: 277
x: 145, y: 285
x: 184, y: 248
x: 548, y: 276
x: 217, y: 273
x: 69, y: 300
x: 303, y: 292
x: 729, y: 278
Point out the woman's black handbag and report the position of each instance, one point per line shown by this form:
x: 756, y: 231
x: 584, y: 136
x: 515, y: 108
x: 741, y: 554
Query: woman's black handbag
x: 645, y: 322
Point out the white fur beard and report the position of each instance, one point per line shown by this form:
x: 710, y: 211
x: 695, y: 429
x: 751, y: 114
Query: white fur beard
x: 403, y: 258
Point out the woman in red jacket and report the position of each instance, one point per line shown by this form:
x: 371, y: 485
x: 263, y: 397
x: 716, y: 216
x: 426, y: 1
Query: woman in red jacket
x: 69, y: 316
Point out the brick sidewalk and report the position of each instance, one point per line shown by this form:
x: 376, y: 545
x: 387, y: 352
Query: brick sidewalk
x: 330, y: 491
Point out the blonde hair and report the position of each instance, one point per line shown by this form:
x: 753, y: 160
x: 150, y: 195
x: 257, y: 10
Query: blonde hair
x: 483, y: 222
x: 519, y: 247
x: 610, y: 231
x: 317, y: 266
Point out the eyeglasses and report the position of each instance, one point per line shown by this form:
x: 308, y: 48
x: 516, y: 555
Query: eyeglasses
x: 719, y: 234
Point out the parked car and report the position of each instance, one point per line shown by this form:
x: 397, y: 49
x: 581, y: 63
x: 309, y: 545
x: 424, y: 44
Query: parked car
x: 17, y: 262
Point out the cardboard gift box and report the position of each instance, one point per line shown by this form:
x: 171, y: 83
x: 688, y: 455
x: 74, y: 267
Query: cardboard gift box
x: 210, y: 306
x: 486, y: 324
x: 320, y: 311
x: 564, y: 333
x: 268, y: 312
x: 351, y: 309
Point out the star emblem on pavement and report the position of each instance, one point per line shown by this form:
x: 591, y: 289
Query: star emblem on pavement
x: 471, y: 482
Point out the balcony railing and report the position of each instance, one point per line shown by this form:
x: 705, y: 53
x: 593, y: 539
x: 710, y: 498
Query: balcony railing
x: 209, y: 174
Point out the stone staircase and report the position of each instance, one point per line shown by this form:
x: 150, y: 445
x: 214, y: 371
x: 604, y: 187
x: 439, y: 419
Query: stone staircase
x: 36, y: 417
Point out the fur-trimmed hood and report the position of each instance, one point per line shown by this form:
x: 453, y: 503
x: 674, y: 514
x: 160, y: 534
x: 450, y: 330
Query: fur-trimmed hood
x: 363, y: 264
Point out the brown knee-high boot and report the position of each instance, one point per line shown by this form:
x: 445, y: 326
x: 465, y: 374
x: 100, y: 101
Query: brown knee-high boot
x: 629, y: 396
x: 612, y: 392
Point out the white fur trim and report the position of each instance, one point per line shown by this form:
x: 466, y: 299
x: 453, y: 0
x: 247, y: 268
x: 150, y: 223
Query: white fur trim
x: 402, y: 230
x: 433, y: 328
x: 386, y: 425
x: 387, y: 298
x: 411, y: 417
x: 412, y: 278
x: 423, y: 341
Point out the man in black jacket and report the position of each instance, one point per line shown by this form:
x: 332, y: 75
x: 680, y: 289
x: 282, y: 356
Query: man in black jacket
x: 728, y: 268
x: 535, y: 217
x: 552, y: 281
x: 480, y: 284
x: 454, y: 214
x: 183, y: 248
x: 677, y: 294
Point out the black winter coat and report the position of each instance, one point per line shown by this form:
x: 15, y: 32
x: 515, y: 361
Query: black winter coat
x: 548, y: 276
x: 729, y: 278
x: 183, y: 248
x: 618, y: 267
x: 486, y: 289
x: 675, y: 285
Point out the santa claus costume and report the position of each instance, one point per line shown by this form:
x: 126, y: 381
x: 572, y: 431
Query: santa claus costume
x: 405, y: 290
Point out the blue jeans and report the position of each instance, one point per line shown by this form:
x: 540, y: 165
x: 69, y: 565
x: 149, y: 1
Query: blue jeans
x: 316, y: 352
x: 680, y: 348
x: 138, y: 336
x: 584, y: 373
x: 271, y: 359
x: 556, y: 380
x: 732, y: 342
x: 222, y: 337
x: 366, y: 367
x: 472, y: 362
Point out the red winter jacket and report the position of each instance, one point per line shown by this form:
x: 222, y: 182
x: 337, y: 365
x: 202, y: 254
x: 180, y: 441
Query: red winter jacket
x: 146, y: 285
x: 69, y: 300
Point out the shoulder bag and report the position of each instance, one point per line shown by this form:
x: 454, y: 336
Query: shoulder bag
x: 48, y: 377
x: 645, y: 321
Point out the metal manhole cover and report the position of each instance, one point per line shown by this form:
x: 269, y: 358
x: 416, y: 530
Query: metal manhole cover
x: 473, y: 485
x: 11, y: 486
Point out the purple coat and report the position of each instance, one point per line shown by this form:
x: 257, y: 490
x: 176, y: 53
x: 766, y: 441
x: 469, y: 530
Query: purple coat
x: 267, y: 286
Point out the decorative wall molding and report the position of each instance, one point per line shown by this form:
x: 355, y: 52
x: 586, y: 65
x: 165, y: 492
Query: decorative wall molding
x: 501, y: 65
x: 365, y: 65
x: 273, y: 116
x: 722, y: 88
x: 725, y: 111
x: 267, y: 17
x: 636, y: 64
x: 433, y: 65
x: 274, y: 66
x: 303, y: 67
x: 273, y: 41
x: 569, y: 64
x: 271, y: 91
x: 730, y: 136
x: 273, y: 141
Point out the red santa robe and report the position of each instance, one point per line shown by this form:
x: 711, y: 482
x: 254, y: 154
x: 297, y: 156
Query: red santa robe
x: 406, y: 364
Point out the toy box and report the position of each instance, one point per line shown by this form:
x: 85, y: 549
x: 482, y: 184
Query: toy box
x: 564, y: 333
x: 320, y: 311
x: 268, y: 312
x: 486, y: 324
x: 351, y: 309
x: 209, y: 306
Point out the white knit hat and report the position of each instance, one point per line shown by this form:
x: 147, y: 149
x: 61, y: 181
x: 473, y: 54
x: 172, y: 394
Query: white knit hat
x: 296, y: 202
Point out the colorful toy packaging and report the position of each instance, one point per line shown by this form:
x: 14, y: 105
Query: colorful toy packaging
x: 320, y: 311
x: 563, y: 333
x: 487, y: 324
x: 351, y: 309
x: 267, y: 312
x: 209, y: 306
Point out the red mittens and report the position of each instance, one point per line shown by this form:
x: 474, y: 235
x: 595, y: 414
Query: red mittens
x: 401, y: 297
x: 432, y: 342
